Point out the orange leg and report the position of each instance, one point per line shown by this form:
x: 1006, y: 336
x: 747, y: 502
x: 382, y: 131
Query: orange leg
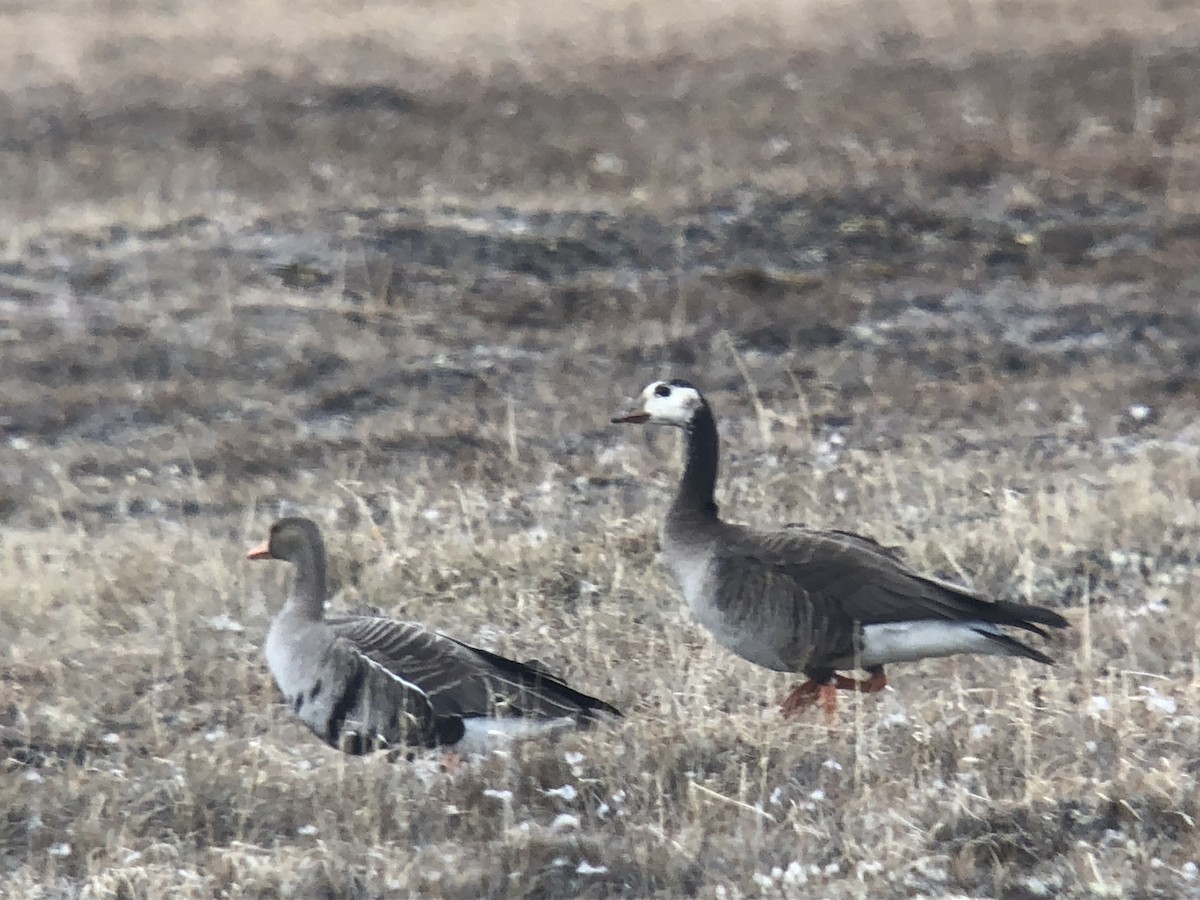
x: 872, y: 684
x: 810, y: 692
x: 802, y: 697
x: 829, y: 704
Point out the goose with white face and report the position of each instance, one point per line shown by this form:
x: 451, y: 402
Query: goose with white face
x: 663, y: 403
x: 809, y: 601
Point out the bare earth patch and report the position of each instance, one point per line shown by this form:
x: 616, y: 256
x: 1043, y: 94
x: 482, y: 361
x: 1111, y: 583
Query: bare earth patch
x: 394, y: 266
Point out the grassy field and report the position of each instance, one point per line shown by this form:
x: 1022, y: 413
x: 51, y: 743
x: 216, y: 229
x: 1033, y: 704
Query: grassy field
x: 394, y: 265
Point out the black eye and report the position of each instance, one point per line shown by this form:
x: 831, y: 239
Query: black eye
x: 663, y: 390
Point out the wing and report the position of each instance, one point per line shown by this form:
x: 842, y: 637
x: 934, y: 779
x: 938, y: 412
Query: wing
x: 850, y: 537
x: 441, y: 668
x: 462, y: 680
x: 358, y: 705
x: 806, y: 592
x: 845, y: 573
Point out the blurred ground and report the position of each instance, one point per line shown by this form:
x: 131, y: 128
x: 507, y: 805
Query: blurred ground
x: 394, y: 266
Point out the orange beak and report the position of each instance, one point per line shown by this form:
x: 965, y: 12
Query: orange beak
x: 262, y: 551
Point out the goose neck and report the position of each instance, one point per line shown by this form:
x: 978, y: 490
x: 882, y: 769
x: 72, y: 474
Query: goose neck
x: 698, y: 485
x: 308, y: 591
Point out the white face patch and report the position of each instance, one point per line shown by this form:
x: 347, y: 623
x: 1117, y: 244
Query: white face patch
x: 670, y: 404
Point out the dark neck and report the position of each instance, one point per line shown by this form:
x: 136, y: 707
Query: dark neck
x: 699, y: 481
x: 307, y: 596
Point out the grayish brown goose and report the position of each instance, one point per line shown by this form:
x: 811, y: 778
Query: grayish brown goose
x: 802, y: 600
x: 365, y: 682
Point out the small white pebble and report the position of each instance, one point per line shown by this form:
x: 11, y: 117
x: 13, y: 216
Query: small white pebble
x: 111, y: 738
x: 763, y: 881
x: 776, y: 146
x: 980, y: 731
x: 776, y: 873
x: 586, y: 868
x: 795, y: 874
x: 1098, y: 705
x: 776, y: 796
x: 817, y: 796
x: 865, y: 869
x: 564, y: 822
x: 607, y: 164
x: 1036, y: 886
x: 33, y: 775
x: 502, y: 796
x: 832, y: 869
x: 1190, y: 871
x: 566, y: 792
x: 224, y: 622
x: 307, y: 830
x: 832, y: 764
x: 1140, y: 412
x: 573, y: 758
x: 603, y: 810
x: 59, y: 850
x: 1159, y: 703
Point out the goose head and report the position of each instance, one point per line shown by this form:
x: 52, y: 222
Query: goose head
x: 673, y: 402
x: 290, y: 539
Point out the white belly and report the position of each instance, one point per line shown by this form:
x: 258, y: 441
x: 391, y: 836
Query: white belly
x: 910, y: 641
x: 482, y: 734
x: 291, y: 666
x: 277, y: 661
x: 699, y: 590
x: 692, y: 573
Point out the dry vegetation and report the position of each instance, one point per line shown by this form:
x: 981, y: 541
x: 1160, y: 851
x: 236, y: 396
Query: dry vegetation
x: 393, y: 266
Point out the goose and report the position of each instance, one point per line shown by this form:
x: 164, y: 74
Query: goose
x: 364, y: 682
x: 807, y: 601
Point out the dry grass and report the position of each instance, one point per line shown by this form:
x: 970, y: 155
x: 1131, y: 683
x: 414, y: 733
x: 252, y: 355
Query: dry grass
x: 395, y: 267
